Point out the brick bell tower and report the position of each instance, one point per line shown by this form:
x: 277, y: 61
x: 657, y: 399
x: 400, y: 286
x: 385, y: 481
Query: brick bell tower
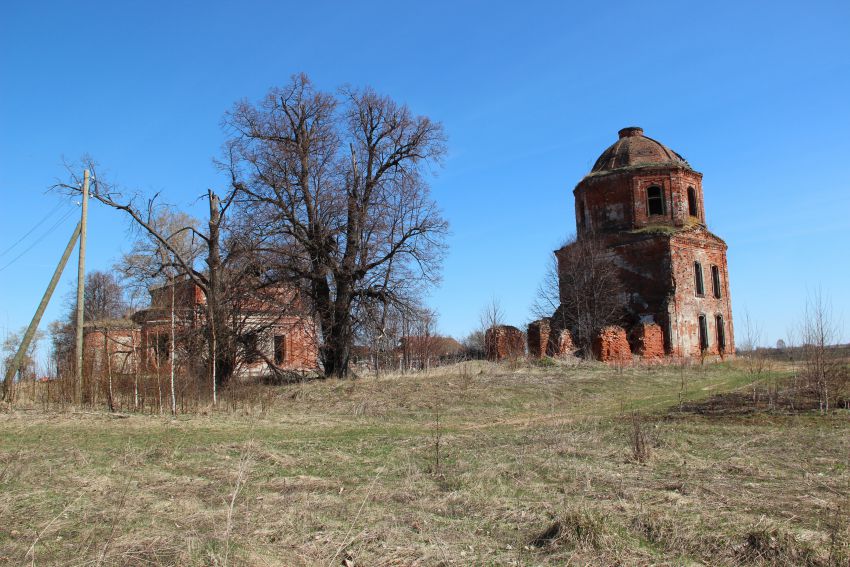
x: 645, y: 203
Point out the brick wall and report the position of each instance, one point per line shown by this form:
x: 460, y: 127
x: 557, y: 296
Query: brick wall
x: 705, y: 248
x: 617, y: 201
x: 648, y: 341
x: 544, y: 339
x: 504, y: 342
x: 561, y: 343
x: 538, y: 338
x: 119, y: 343
x: 611, y: 344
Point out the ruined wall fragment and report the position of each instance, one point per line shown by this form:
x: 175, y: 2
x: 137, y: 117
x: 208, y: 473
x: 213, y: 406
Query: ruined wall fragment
x: 648, y: 342
x: 504, y: 342
x: 611, y: 344
x: 538, y: 338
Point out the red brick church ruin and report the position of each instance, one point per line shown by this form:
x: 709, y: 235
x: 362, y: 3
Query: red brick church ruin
x: 644, y: 203
x: 276, y: 333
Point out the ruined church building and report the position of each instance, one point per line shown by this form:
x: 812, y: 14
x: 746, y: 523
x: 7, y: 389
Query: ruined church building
x: 645, y: 204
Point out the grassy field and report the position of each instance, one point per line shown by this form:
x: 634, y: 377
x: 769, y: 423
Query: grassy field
x: 474, y: 464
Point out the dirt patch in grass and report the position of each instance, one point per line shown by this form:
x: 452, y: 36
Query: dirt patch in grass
x: 781, y: 397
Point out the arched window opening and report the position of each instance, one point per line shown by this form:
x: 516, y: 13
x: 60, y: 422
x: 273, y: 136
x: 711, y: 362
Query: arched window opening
x: 715, y: 281
x: 692, y: 202
x: 699, y: 285
x: 655, y: 200
x: 582, y: 215
x: 721, y: 333
x: 703, y: 333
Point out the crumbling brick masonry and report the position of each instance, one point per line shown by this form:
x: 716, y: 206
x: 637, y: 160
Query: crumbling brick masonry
x: 504, y: 342
x: 611, y: 344
x: 544, y: 340
x: 538, y: 338
x: 647, y: 341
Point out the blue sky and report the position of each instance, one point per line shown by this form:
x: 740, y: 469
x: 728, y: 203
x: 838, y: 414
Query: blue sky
x: 753, y: 94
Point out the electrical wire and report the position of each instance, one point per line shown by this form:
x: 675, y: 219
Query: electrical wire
x: 39, y: 239
x: 33, y: 229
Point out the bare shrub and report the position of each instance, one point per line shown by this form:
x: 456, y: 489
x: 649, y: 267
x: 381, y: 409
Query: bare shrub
x: 574, y: 529
x: 777, y: 547
x: 638, y: 440
x: 437, y: 469
x: 492, y: 315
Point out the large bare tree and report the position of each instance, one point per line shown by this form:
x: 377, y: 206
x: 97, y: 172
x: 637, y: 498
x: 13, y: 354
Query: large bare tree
x: 336, y: 183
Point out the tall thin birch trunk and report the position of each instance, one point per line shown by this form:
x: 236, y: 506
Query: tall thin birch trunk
x: 172, y: 358
x: 158, y: 373
x: 111, y: 399
x: 136, y: 362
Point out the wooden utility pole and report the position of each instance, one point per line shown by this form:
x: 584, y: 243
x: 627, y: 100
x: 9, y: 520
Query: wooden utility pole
x: 81, y: 285
x: 8, y: 382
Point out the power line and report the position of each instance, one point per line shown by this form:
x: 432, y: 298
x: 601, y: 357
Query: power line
x: 34, y: 228
x: 39, y: 239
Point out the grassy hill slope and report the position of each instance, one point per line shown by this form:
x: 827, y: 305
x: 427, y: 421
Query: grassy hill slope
x: 474, y: 464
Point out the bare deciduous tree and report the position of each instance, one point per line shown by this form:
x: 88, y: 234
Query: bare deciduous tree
x: 336, y: 184
x: 104, y: 299
x: 547, y: 298
x: 752, y: 334
x: 824, y: 370
x: 211, y: 280
x: 492, y: 315
x: 148, y: 263
x: 590, y: 291
x: 11, y: 343
x: 473, y: 344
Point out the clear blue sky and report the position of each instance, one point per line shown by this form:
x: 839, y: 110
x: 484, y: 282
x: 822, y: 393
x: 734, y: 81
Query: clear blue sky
x: 756, y: 95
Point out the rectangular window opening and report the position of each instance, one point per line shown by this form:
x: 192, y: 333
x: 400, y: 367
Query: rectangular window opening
x: 252, y: 347
x: 162, y: 347
x: 692, y: 202
x: 279, y: 349
x: 699, y: 285
x: 655, y: 201
x: 703, y: 333
x: 715, y: 281
x: 721, y: 333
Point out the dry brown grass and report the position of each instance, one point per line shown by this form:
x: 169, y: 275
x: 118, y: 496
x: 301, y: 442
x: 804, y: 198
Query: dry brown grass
x: 536, y: 468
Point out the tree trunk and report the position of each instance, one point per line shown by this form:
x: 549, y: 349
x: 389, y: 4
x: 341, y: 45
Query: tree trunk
x: 108, y: 362
x: 172, y: 349
x: 335, y: 355
x: 136, y: 363
x: 214, y: 320
x: 336, y: 350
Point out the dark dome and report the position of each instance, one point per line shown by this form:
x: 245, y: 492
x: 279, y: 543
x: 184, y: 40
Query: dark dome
x: 633, y: 149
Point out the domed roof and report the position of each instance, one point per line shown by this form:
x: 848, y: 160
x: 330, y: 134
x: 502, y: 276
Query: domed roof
x: 633, y: 149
